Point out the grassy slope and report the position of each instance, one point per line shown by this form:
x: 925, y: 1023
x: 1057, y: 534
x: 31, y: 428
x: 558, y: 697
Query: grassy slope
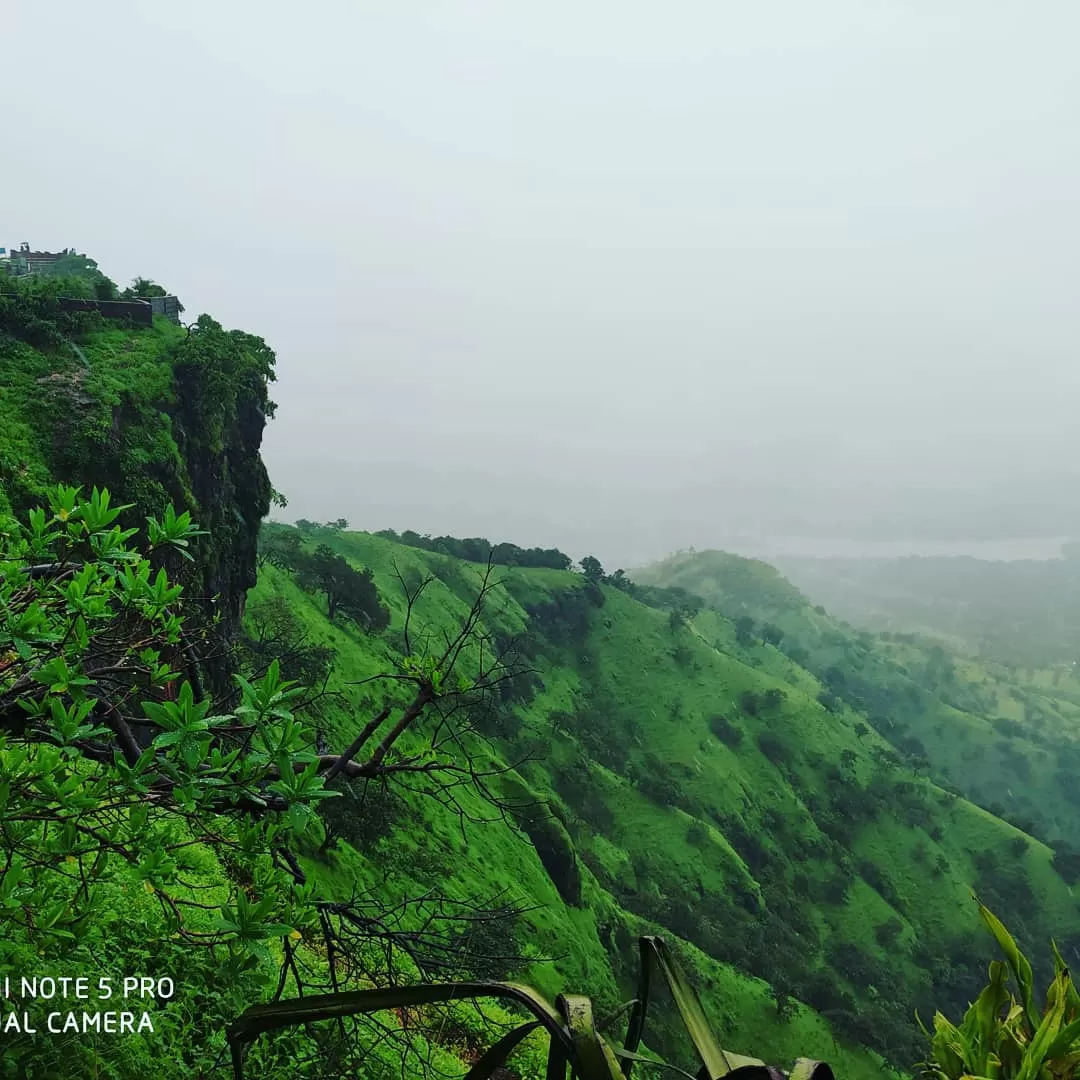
x: 427, y: 847
x: 998, y: 736
x: 56, y: 405
x: 660, y: 810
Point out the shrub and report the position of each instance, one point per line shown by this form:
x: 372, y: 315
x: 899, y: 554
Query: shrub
x: 364, y: 813
x: 1004, y: 1033
x: 888, y: 933
x: 772, y: 746
x: 750, y: 703
x: 697, y: 835
x: 797, y: 653
x: 829, y: 701
x: 834, y: 889
x: 1066, y: 862
x: 856, y: 965
x: 725, y: 730
x: 773, y: 698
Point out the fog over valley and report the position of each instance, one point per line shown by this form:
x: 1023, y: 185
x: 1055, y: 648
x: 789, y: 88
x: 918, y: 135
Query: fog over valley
x: 601, y: 275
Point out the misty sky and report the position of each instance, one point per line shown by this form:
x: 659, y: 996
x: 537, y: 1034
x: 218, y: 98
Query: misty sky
x: 617, y: 276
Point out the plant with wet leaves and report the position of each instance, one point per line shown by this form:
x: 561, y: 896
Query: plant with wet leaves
x: 575, y: 1042
x: 110, y: 758
x: 1005, y: 1035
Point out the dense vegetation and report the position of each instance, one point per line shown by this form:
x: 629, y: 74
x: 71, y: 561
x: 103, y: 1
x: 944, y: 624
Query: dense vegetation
x: 492, y: 765
x: 477, y: 549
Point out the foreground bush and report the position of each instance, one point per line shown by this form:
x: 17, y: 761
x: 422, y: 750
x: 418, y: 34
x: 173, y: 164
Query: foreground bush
x: 1004, y: 1035
x: 574, y: 1038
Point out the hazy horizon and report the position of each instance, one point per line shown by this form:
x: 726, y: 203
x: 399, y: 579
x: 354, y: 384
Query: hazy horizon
x: 616, y: 278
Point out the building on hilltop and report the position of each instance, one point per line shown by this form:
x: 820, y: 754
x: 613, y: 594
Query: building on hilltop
x: 25, y: 261
x: 140, y: 309
x: 169, y: 306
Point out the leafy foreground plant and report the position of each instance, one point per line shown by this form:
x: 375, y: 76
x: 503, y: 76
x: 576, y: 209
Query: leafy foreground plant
x: 1003, y: 1036
x: 574, y: 1035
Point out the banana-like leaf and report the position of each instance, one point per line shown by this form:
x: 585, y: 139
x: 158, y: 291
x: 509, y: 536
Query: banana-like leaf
x: 496, y: 1054
x: 1074, y: 994
x: 636, y: 1026
x: 574, y: 1040
x: 985, y: 1013
x: 808, y: 1069
x: 716, y: 1062
x: 593, y: 1058
x: 557, y: 1061
x: 1047, y: 1032
x: 1066, y: 1041
x: 1018, y: 962
x: 263, y: 1018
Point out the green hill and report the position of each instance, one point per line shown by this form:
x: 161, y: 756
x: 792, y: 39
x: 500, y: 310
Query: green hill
x: 523, y: 785
x: 705, y: 788
x: 1006, y: 741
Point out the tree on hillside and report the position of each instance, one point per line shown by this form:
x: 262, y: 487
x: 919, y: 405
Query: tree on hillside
x: 744, y: 630
x: 112, y: 758
x: 280, y: 547
x: 273, y: 631
x: 771, y: 634
x: 348, y: 591
x: 144, y: 288
x: 591, y: 568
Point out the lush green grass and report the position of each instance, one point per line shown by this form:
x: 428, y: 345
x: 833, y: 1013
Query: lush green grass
x: 1005, y: 738
x: 61, y: 409
x: 721, y: 844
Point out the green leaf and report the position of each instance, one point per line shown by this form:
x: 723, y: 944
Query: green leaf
x: 594, y: 1060
x: 1047, y: 1032
x: 260, y: 1019
x: 495, y: 1055
x: 1018, y: 962
x: 716, y: 1062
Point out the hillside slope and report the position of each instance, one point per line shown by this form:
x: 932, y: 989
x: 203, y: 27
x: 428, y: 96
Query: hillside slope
x: 1008, y: 740
x: 165, y: 415
x: 709, y: 792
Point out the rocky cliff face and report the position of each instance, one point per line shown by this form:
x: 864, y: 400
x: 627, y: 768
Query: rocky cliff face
x: 231, y: 495
x: 157, y: 415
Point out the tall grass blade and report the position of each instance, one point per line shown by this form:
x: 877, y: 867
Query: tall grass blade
x: 592, y: 1057
x: 495, y: 1055
x: 717, y: 1063
x: 260, y: 1019
x: 808, y: 1069
x: 1018, y: 962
